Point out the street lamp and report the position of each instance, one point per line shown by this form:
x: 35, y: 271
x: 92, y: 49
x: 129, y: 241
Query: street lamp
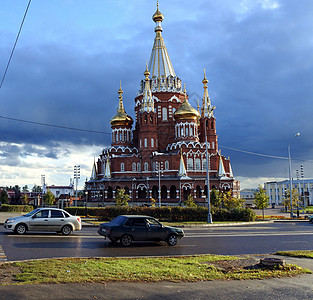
x: 290, y: 176
x: 209, y: 219
x: 86, y: 197
x: 76, y: 176
x: 159, y: 173
x: 43, y: 183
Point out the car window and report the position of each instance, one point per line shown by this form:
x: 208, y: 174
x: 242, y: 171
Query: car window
x: 153, y: 222
x: 56, y: 214
x: 31, y: 213
x: 42, y: 214
x: 118, y: 220
x: 66, y: 214
x: 139, y: 222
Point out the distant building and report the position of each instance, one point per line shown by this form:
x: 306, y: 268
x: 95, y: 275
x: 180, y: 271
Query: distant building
x: 61, y: 191
x: 248, y: 195
x: 276, y: 190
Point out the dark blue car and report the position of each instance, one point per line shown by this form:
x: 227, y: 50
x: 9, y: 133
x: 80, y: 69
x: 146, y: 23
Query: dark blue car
x: 129, y: 228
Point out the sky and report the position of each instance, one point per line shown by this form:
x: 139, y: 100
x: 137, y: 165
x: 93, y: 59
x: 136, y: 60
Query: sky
x: 72, y: 54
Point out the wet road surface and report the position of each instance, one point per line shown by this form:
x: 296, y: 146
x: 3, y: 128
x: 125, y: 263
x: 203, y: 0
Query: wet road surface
x: 235, y: 240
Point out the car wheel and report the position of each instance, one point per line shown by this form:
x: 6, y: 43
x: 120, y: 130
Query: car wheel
x: 20, y: 229
x: 66, y: 230
x: 172, y: 239
x: 126, y: 240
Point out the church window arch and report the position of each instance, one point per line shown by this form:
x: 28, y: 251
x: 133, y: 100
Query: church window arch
x: 198, y: 164
x: 122, y: 167
x: 166, y: 165
x: 152, y: 142
x: 138, y: 167
x: 134, y: 167
x: 146, y: 143
x: 146, y: 166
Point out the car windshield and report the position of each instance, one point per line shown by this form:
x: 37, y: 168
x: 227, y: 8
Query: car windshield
x: 32, y: 212
x: 118, y: 220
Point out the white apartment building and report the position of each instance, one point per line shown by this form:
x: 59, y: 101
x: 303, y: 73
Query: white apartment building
x: 276, y: 190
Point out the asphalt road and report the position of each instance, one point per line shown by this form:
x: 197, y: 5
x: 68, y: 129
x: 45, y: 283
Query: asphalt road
x: 253, y: 239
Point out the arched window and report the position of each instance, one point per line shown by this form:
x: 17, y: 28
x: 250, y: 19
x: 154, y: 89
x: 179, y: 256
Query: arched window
x: 204, y: 164
x: 110, y: 192
x: 134, y: 167
x: 198, y: 191
x: 191, y: 131
x: 140, y: 143
x: 146, y: 166
x: 164, y: 114
x: 163, y: 192
x: 212, y: 145
x: 182, y: 131
x: 152, y: 143
x: 173, y: 193
x: 122, y: 167
x: 186, y: 130
x: 120, y: 136
x: 190, y: 164
x: 138, y: 167
x: 146, y: 143
x: 198, y: 164
x: 167, y: 165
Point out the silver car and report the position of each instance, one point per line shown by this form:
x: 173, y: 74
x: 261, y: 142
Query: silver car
x: 44, y: 219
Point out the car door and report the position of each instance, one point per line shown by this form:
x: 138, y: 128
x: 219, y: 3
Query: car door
x: 155, y: 230
x: 139, y: 229
x: 56, y: 220
x: 39, y: 221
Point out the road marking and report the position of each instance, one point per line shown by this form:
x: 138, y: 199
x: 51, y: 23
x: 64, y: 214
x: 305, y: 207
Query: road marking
x: 3, y: 257
x: 248, y: 234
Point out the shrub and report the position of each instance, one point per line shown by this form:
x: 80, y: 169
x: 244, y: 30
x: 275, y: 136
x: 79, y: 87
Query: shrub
x: 16, y: 208
x: 168, y: 214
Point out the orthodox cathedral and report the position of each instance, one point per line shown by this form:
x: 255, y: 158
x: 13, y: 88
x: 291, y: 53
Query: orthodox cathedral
x: 164, y: 156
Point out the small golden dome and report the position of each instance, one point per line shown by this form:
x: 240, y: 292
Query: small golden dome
x: 158, y: 16
x: 121, y: 117
x: 186, y: 112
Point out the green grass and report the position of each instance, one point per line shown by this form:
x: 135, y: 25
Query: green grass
x: 297, y: 253
x: 176, y: 269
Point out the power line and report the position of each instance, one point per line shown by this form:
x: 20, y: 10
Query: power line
x: 7, y: 67
x: 54, y: 126
x: 254, y: 153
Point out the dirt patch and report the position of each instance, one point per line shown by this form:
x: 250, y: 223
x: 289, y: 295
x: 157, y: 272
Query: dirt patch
x: 7, y: 273
x: 228, y: 266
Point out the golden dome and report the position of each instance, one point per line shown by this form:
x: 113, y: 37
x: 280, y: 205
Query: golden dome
x: 158, y: 16
x: 121, y: 117
x: 186, y: 112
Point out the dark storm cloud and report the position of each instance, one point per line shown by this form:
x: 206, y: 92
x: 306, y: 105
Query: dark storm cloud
x: 258, y: 62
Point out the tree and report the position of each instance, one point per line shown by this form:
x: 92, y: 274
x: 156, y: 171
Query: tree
x: 261, y: 199
x: 295, y: 199
x: 36, y: 189
x: 24, y: 199
x: 4, y: 198
x: 48, y: 198
x: 215, y: 198
x: 230, y: 202
x: 25, y: 189
x: 121, y: 198
x: 190, y: 202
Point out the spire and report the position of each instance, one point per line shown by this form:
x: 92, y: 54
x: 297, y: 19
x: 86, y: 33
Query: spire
x: 147, y: 101
x: 182, y: 169
x: 221, y: 169
x: 94, y: 171
x: 206, y: 109
x: 107, y: 173
x: 160, y: 63
x: 231, y: 171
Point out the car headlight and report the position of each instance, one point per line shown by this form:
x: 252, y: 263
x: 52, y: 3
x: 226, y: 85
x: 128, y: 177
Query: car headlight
x: 9, y: 221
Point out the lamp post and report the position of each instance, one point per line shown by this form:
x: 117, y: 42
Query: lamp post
x: 159, y: 173
x: 86, y: 197
x: 209, y: 219
x: 290, y: 177
x: 43, y: 183
x: 76, y: 176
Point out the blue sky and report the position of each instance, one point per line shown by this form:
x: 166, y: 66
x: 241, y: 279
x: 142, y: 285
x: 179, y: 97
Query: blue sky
x: 72, y: 54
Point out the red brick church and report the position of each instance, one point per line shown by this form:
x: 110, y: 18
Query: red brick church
x: 164, y: 155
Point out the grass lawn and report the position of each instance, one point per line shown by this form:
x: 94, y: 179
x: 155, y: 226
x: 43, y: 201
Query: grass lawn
x: 297, y: 253
x: 176, y: 269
